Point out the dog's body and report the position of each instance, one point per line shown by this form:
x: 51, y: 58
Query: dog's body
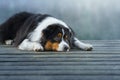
x: 38, y: 32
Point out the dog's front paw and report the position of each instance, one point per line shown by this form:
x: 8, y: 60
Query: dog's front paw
x: 88, y: 47
x: 37, y: 47
x: 28, y: 45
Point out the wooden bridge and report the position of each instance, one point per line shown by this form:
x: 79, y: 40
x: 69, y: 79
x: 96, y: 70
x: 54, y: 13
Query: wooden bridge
x: 103, y: 63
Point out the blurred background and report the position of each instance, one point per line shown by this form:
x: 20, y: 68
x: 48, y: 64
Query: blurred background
x: 90, y: 19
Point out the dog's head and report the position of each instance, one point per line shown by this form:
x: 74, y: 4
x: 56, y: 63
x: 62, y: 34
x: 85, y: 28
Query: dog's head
x: 57, y: 38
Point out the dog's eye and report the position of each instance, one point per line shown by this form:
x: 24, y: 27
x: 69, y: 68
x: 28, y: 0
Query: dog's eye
x: 58, y: 37
x: 66, y: 37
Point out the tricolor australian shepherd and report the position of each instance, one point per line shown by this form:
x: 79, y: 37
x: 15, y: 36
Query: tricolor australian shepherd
x: 39, y: 32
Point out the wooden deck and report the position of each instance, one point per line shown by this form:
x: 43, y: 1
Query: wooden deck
x: 103, y: 63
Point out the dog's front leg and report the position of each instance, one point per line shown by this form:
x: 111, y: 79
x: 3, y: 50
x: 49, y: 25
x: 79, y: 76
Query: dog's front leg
x: 81, y: 45
x: 30, y: 45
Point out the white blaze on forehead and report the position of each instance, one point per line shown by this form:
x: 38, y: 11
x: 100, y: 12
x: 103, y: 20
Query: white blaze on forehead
x: 63, y: 33
x: 37, y: 33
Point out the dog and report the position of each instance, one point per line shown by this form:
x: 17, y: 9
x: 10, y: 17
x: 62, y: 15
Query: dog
x: 39, y: 32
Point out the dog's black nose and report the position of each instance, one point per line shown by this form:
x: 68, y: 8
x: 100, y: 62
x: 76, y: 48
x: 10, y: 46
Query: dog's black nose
x: 66, y: 48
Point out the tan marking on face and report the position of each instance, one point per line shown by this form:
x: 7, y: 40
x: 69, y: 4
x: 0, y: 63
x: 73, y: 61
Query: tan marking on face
x: 51, y: 46
x: 48, y: 45
x: 59, y: 35
x: 55, y: 46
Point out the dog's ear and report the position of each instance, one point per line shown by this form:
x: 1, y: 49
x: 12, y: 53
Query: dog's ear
x: 51, y: 28
x: 51, y: 31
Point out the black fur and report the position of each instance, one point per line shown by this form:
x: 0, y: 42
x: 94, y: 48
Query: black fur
x: 9, y: 29
x: 19, y: 26
x: 29, y: 25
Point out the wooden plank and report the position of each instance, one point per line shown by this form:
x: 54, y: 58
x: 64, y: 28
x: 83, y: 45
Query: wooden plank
x: 58, y: 63
x: 98, y: 55
x: 60, y: 67
x: 58, y: 59
x: 58, y: 77
x: 60, y: 72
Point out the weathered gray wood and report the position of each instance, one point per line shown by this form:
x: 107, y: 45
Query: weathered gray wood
x: 62, y: 67
x: 58, y: 77
x: 60, y: 72
x: 58, y: 63
x: 103, y: 63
